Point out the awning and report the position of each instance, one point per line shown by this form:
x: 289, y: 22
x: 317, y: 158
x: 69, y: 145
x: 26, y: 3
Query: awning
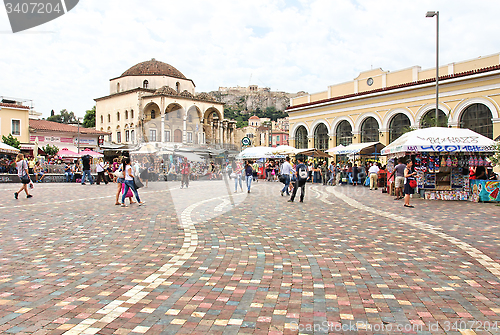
x: 440, y: 139
x: 192, y: 157
x: 312, y: 153
x: 368, y: 148
x: 5, y: 148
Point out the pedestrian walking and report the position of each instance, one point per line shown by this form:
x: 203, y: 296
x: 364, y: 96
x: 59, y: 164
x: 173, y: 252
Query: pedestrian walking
x: 120, y: 180
x: 354, y: 174
x: 185, y: 171
x: 237, y: 169
x: 100, y: 168
x: 145, y: 171
x: 302, y: 174
x: 331, y: 171
x: 86, y: 169
x: 373, y: 173
x: 248, y: 175
x: 409, y: 179
x: 286, y: 172
x: 24, y: 176
x: 129, y: 181
x: 324, y: 172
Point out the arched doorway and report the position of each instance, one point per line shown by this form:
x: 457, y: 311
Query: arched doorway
x: 398, y: 125
x: 301, y: 138
x: 477, y: 117
x: 369, y: 130
x: 344, y: 133
x: 321, y: 137
x: 429, y: 119
x: 178, y: 136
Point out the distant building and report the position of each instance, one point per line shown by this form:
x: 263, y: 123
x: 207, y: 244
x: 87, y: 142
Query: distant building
x: 14, y: 118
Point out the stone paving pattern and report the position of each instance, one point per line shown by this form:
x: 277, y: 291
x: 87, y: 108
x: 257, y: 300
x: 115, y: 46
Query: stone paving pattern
x: 198, y: 261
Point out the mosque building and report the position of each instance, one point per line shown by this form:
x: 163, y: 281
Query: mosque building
x: 154, y: 102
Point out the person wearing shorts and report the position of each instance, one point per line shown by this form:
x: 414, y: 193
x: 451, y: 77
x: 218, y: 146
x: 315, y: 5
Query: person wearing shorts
x: 399, y: 173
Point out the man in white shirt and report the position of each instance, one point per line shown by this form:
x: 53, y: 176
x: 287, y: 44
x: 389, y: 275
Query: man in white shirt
x: 373, y: 172
x: 286, y: 171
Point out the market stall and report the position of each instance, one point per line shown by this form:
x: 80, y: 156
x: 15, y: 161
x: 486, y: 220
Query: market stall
x: 442, y: 158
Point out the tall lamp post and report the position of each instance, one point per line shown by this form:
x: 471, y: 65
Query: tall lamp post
x: 436, y: 14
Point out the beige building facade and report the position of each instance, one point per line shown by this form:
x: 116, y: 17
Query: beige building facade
x: 154, y: 102
x: 380, y: 105
x: 14, y: 119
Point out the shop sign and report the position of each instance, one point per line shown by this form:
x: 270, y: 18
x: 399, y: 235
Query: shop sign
x: 85, y: 141
x: 246, y: 141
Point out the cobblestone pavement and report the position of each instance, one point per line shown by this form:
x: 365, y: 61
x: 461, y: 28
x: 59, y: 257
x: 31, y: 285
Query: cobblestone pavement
x: 205, y: 260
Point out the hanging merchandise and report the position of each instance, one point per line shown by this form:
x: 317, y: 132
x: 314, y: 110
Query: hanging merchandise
x: 454, y: 161
x: 443, y: 162
x: 448, y: 161
x: 476, y: 162
x: 471, y: 161
x: 480, y: 161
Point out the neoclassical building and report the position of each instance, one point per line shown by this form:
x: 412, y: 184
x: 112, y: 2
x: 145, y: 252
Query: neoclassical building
x: 378, y: 105
x: 154, y: 102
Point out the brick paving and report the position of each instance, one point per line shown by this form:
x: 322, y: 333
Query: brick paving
x: 207, y: 261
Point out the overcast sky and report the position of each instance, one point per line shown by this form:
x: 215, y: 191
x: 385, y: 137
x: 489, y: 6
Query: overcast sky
x: 296, y: 45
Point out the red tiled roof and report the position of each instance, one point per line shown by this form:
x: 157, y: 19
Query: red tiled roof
x: 153, y: 67
x: 13, y: 106
x: 255, y: 117
x: 66, y: 128
x: 415, y: 83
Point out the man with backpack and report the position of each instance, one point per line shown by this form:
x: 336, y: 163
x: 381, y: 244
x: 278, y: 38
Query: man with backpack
x: 302, y: 175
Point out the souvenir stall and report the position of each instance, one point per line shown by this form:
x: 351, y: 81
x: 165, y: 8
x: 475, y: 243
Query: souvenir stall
x: 442, y: 158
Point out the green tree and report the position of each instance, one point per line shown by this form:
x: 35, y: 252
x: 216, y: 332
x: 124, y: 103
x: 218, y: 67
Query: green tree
x: 89, y: 119
x: 12, y: 141
x: 50, y: 150
x: 63, y: 117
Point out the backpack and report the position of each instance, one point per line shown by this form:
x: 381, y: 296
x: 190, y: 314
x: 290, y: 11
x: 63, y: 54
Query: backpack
x: 302, y: 173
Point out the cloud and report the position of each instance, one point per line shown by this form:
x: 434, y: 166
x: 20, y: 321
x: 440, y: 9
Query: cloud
x: 286, y: 45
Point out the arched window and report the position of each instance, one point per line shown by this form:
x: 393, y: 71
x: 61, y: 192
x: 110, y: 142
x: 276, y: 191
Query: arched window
x: 117, y: 116
x: 153, y: 114
x: 109, y: 117
x: 429, y: 119
x: 398, y: 125
x: 477, y: 117
x: 321, y: 137
x: 369, y: 130
x: 132, y: 136
x: 117, y: 87
x: 102, y: 118
x: 126, y: 115
x: 344, y: 133
x: 145, y: 84
x: 178, y: 87
x: 301, y: 138
x: 178, y: 113
x: 131, y: 113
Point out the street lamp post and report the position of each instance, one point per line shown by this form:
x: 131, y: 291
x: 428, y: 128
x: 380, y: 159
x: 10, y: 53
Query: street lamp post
x: 436, y: 14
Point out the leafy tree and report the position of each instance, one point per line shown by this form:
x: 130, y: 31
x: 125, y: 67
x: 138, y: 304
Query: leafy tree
x: 12, y: 141
x: 241, y: 124
x: 89, y: 119
x: 63, y: 117
x: 495, y: 159
x: 50, y: 150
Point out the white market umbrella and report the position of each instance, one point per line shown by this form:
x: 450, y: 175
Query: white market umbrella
x: 335, y: 149
x: 5, y: 148
x: 255, y: 153
x: 440, y: 139
x: 284, y: 150
x: 35, y: 149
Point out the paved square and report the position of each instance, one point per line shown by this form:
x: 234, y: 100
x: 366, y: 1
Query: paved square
x: 205, y: 260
